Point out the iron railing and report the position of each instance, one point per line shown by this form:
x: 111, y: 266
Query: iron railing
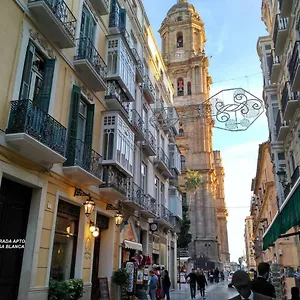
x: 27, y: 117
x: 165, y: 214
x: 82, y: 155
x: 275, y: 59
x: 150, y: 204
x: 280, y: 24
x: 287, y: 190
x: 115, y: 179
x: 116, y: 21
x: 295, y: 176
x: 140, y: 65
x: 149, y: 86
x: 150, y: 138
x: 161, y: 155
x: 278, y: 123
x: 294, y: 62
x: 135, y: 193
x: 115, y: 91
x: 62, y: 13
x: 136, y: 120
x: 86, y: 50
x: 287, y: 95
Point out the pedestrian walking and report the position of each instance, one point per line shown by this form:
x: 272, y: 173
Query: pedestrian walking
x: 201, y: 281
x: 166, y: 284
x: 216, y: 275
x: 211, y: 276
x: 192, y: 280
x: 260, y: 284
x: 241, y: 281
x: 153, y: 285
x: 295, y: 293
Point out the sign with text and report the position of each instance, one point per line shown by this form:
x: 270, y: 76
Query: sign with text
x: 104, y: 291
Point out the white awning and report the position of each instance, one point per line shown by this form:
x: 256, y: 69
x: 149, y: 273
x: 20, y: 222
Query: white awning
x: 133, y: 245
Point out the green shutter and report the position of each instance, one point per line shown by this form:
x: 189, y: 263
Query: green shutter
x: 88, y: 140
x: 72, y: 129
x: 26, y: 77
x: 47, y: 84
x: 122, y: 19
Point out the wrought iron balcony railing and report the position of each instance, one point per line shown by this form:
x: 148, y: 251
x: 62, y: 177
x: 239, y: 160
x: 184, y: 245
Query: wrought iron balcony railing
x: 114, y: 90
x: 165, y: 214
x: 62, y: 13
x: 136, y: 120
x: 149, y: 86
x: 295, y: 176
x: 116, y: 21
x: 150, y: 204
x: 27, y: 117
x: 161, y: 155
x: 82, y: 155
x: 115, y: 179
x: 280, y: 24
x: 294, y: 62
x: 140, y: 65
x: 135, y: 193
x: 150, y: 138
x: 86, y: 50
x: 287, y: 95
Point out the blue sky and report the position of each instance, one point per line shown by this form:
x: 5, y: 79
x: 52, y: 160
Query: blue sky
x: 232, y: 29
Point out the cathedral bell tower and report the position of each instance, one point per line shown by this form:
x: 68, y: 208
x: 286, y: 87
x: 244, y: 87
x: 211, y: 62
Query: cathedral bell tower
x: 183, y: 39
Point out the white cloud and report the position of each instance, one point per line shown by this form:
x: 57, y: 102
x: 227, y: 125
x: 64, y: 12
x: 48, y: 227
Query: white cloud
x: 221, y: 40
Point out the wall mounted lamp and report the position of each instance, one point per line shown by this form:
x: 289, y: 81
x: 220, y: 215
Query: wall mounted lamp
x: 89, y: 204
x: 118, y: 217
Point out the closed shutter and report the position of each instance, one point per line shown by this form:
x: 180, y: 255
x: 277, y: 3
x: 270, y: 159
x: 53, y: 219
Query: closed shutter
x: 26, y: 77
x: 122, y: 19
x: 89, y: 133
x: 72, y: 130
x: 47, y: 84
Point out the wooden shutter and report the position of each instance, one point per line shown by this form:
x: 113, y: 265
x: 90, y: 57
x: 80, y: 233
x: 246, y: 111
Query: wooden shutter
x: 72, y: 128
x: 47, y: 84
x: 122, y: 19
x: 27, y: 71
x: 88, y: 140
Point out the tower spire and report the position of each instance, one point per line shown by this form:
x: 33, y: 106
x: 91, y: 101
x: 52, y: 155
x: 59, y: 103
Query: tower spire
x: 181, y: 1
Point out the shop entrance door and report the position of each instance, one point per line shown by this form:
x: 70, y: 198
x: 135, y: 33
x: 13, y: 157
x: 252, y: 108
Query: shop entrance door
x: 95, y: 280
x: 14, y: 211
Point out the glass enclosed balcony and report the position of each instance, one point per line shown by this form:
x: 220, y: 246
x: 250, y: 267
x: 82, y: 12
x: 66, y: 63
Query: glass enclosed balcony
x: 175, y: 203
x: 35, y: 134
x: 90, y: 65
x: 174, y: 155
x: 55, y: 20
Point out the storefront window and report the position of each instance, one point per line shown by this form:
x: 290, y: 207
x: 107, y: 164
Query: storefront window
x: 65, y: 241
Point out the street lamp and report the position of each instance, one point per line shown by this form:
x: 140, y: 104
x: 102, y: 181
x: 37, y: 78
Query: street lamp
x: 119, y: 218
x: 89, y: 205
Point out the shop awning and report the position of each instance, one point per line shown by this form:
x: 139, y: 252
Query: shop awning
x: 133, y: 245
x: 288, y: 217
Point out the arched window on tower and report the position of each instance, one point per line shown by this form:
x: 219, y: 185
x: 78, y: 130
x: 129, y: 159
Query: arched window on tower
x: 179, y: 40
x: 182, y: 162
x: 189, y: 88
x: 181, y: 132
x: 180, y: 87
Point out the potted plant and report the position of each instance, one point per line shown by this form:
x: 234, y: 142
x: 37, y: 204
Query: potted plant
x: 65, y: 290
x: 120, y: 278
x: 76, y: 288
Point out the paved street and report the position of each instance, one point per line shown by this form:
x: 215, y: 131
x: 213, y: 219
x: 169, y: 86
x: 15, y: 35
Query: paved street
x: 218, y: 291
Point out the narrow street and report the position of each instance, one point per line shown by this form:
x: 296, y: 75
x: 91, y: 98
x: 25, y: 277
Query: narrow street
x: 218, y: 291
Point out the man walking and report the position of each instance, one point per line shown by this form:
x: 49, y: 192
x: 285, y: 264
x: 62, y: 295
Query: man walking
x: 217, y: 274
x: 153, y: 285
x: 260, y: 284
x: 193, y: 279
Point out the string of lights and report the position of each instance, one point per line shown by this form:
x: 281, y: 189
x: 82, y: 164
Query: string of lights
x: 236, y: 78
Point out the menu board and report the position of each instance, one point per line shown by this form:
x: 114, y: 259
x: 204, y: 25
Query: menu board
x: 104, y: 291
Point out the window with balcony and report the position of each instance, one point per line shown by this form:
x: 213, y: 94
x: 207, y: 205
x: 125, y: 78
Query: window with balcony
x: 180, y: 87
x: 88, y: 25
x: 162, y: 194
x: 179, y: 40
x: 37, y: 77
x: 156, y: 189
x: 144, y: 177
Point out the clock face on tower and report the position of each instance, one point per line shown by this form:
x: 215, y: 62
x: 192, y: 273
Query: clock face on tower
x: 153, y: 227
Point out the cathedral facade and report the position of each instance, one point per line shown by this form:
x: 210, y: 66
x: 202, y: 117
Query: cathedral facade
x: 183, y: 40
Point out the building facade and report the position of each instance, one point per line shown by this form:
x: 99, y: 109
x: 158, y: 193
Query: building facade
x: 183, y: 39
x: 79, y: 129
x: 249, y: 244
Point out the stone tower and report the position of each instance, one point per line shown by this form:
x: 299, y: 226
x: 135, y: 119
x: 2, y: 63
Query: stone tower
x: 183, y: 38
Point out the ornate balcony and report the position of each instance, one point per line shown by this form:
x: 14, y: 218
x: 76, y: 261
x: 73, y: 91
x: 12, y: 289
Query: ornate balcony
x: 162, y: 162
x: 289, y: 102
x: 90, y: 65
x: 137, y: 123
x: 282, y: 128
x: 35, y: 134
x: 280, y: 34
x: 149, y: 144
x: 174, y: 155
x: 293, y: 68
x: 116, y: 24
x: 55, y: 20
x: 149, y: 90
x: 285, y: 7
x: 275, y: 69
x: 295, y: 176
x: 101, y: 6
x: 164, y: 217
x: 116, y: 98
x: 115, y: 184
x: 139, y: 66
x: 83, y: 164
x: 150, y: 207
x: 135, y: 196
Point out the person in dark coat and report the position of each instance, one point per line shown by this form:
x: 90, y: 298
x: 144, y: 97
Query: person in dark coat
x: 193, y: 280
x: 260, y: 284
x: 295, y: 293
x: 166, y: 284
x: 216, y: 274
x: 201, y: 281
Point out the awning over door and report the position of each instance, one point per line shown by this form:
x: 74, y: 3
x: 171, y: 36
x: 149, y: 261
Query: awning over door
x: 133, y: 245
x: 288, y: 217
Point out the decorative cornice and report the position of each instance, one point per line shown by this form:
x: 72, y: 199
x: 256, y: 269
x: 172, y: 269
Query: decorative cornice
x: 38, y: 39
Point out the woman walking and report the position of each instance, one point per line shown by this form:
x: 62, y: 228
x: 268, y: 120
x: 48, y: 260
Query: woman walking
x: 166, y: 284
x: 201, y: 281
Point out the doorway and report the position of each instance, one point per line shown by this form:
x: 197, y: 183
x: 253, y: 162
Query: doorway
x: 15, y: 201
x: 95, y: 280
